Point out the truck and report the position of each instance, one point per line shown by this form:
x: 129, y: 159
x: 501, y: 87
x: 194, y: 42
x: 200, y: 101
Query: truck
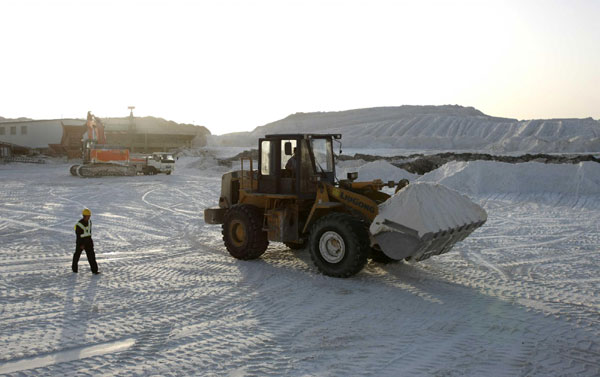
x: 156, y: 163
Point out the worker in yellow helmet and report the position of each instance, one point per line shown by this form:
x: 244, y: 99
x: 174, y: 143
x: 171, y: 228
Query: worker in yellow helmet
x: 83, y: 232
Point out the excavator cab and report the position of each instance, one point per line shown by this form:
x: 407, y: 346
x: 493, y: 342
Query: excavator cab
x: 100, y: 159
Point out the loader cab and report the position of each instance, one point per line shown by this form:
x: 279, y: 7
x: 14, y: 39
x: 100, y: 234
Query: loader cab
x: 294, y: 163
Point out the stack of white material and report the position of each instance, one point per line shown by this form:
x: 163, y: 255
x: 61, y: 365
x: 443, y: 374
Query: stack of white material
x: 383, y: 170
x: 427, y: 208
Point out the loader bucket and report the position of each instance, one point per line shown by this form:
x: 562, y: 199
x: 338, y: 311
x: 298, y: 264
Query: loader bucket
x: 423, y: 220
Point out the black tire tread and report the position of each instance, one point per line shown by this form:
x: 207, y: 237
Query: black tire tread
x: 257, y: 238
x: 355, y: 235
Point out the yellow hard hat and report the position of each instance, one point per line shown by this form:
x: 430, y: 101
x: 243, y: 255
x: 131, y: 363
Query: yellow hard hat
x: 86, y: 212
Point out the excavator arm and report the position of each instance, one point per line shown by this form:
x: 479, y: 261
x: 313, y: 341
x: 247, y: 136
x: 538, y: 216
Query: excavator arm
x: 95, y: 129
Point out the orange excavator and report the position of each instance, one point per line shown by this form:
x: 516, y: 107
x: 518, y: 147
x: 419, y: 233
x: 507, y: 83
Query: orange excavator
x: 99, y: 158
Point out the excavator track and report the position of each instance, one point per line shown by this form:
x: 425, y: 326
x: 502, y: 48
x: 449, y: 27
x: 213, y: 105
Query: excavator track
x: 102, y: 170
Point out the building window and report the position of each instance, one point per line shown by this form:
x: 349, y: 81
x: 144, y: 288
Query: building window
x: 1, y: 130
x: 23, y: 130
x: 13, y: 130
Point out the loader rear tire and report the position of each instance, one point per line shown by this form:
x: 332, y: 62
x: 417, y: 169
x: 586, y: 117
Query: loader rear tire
x: 339, y: 245
x: 242, y: 232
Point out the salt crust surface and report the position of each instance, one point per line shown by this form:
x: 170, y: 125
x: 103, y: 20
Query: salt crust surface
x: 517, y: 297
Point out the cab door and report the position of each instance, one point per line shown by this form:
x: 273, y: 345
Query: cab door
x: 289, y: 162
x: 267, y: 171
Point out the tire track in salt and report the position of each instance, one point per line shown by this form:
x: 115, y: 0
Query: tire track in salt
x: 178, y: 212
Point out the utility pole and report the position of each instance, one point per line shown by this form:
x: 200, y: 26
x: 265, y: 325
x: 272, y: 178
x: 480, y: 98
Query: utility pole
x: 131, y: 128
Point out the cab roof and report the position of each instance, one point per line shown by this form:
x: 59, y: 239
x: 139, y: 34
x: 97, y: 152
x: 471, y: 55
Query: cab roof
x: 303, y: 136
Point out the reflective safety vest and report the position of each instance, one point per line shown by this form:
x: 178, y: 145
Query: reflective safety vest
x: 87, y: 230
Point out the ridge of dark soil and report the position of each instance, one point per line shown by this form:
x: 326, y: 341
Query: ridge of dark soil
x: 421, y: 163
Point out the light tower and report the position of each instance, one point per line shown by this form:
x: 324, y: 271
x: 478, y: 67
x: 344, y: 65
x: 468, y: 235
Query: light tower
x: 131, y: 119
x: 131, y: 127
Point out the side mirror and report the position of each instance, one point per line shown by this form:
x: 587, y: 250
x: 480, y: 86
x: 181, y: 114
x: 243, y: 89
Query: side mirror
x: 287, y: 148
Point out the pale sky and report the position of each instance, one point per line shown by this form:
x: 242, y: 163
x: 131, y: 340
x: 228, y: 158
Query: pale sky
x: 235, y: 65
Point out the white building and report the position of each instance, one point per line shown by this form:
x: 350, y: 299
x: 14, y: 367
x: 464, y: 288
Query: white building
x: 149, y: 133
x: 35, y: 133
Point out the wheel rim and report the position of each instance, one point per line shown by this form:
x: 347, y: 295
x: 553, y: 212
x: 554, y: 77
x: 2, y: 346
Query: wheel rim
x: 238, y: 233
x: 332, y: 247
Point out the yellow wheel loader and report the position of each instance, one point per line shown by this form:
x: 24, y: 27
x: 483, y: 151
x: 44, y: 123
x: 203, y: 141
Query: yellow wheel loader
x: 294, y: 197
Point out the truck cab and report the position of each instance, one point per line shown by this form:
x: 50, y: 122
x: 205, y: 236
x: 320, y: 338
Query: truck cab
x: 157, y: 162
x: 161, y: 163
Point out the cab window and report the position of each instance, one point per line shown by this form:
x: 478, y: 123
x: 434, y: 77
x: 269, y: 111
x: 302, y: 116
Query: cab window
x: 265, y: 157
x: 323, y: 152
x: 306, y: 168
x: 286, y: 158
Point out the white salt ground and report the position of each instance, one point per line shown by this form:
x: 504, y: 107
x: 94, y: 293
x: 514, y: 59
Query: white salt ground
x: 518, y: 297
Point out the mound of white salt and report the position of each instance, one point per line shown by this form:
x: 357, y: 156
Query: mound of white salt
x: 427, y: 208
x: 348, y: 166
x: 383, y: 170
x: 484, y: 177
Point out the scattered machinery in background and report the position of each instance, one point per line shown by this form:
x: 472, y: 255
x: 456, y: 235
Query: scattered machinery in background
x: 100, y: 159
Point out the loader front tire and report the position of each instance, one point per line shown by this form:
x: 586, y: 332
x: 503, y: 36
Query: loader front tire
x: 242, y: 232
x: 339, y: 245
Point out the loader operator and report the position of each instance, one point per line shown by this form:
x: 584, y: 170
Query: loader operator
x: 291, y: 163
x: 83, y: 231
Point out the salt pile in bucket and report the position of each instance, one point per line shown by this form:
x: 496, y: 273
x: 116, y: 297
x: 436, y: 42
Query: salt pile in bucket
x: 427, y: 208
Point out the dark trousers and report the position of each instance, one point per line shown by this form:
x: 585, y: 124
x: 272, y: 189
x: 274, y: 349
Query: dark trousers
x: 88, y: 246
